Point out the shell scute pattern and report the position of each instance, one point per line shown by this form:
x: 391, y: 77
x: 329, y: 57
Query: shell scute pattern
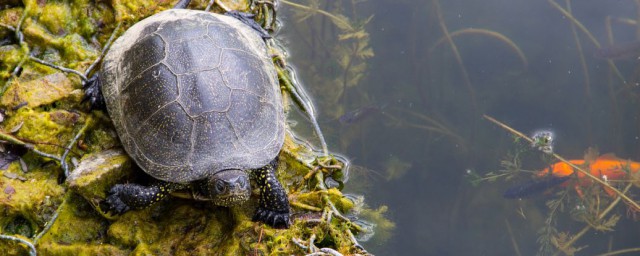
x: 159, y: 82
x: 148, y: 52
x: 192, y: 93
x: 169, y: 127
x: 214, y: 128
x: 244, y: 70
x: 187, y: 56
x: 204, y: 92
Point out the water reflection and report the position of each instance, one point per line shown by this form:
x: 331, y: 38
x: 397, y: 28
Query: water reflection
x: 440, y: 65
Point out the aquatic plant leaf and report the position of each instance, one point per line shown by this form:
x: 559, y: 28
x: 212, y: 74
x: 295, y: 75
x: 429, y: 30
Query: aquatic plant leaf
x: 366, y: 53
x: 301, y: 15
x: 560, y: 241
x: 396, y: 168
x: 342, y: 22
x: 357, y: 35
x: 606, y: 225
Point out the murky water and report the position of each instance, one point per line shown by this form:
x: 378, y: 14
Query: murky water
x: 414, y: 109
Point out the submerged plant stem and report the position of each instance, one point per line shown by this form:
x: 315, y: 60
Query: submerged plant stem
x: 456, y: 53
x: 588, y: 34
x: 516, y: 248
x: 488, y: 33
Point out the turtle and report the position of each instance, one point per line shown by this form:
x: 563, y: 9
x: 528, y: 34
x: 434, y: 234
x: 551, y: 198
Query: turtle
x: 195, y: 100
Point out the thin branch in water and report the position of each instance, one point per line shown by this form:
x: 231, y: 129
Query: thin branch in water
x: 618, y: 252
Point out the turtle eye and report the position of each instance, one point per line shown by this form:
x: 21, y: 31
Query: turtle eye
x: 220, y: 187
x: 242, y: 182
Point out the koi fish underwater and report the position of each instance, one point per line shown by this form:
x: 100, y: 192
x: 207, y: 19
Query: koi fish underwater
x: 606, y: 166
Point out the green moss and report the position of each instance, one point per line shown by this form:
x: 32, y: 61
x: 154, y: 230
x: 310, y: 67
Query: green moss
x: 10, y: 16
x: 10, y: 56
x: 51, y: 129
x: 37, y: 92
x: 187, y: 229
x: 65, y: 239
x: 13, y: 248
x: 56, y: 17
x: 30, y: 202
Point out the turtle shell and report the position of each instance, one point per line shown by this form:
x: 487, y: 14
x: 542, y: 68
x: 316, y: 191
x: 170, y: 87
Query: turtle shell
x: 191, y: 93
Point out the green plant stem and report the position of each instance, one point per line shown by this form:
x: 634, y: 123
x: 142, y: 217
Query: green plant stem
x: 588, y: 34
x: 456, y: 53
x: 487, y: 33
x: 516, y: 248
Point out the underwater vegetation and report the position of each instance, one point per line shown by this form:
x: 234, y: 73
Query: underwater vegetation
x: 590, y: 190
x: 59, y: 158
x: 588, y: 198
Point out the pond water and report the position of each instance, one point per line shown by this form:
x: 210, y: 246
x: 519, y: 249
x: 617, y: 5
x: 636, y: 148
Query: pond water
x: 407, y: 108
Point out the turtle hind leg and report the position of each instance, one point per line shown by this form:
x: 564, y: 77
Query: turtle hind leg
x: 93, y: 93
x: 125, y: 197
x: 182, y: 4
x: 273, y: 208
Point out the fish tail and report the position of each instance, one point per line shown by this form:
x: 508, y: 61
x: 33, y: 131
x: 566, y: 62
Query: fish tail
x: 534, y: 187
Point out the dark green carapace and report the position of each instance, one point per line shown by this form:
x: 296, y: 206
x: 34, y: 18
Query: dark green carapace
x: 195, y: 100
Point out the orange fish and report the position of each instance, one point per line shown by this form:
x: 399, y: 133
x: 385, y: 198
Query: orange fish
x: 605, y: 165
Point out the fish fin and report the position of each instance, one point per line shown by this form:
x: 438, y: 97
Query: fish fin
x: 534, y: 187
x: 591, y: 154
x: 608, y: 156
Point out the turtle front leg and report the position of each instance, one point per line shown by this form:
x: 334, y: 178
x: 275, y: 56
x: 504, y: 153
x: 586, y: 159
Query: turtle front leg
x: 273, y: 208
x: 125, y: 197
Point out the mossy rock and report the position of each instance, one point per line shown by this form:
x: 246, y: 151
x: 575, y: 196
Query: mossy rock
x: 97, y: 172
x: 37, y: 92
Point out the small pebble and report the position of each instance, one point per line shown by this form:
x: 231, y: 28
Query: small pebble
x: 9, y: 190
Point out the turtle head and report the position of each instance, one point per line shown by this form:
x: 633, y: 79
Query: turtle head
x: 228, y: 187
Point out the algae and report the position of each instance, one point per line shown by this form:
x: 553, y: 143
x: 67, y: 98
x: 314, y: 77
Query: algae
x: 44, y: 113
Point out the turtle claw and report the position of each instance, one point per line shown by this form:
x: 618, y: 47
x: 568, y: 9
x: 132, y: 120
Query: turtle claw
x: 279, y: 220
x: 113, y: 203
x: 125, y: 197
